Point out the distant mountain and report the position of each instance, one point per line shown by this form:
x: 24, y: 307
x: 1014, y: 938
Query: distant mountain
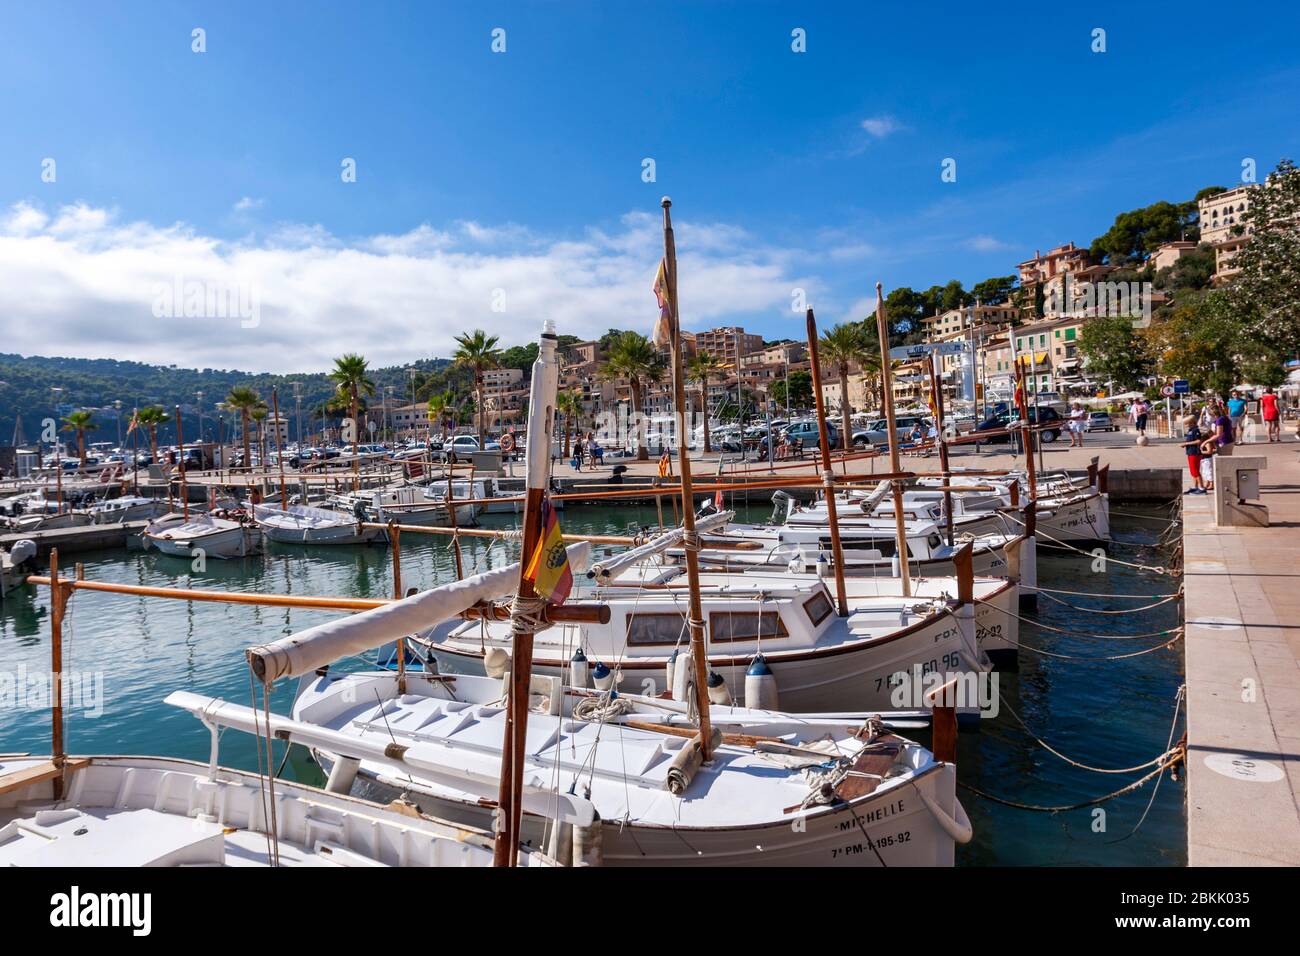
x: 28, y: 387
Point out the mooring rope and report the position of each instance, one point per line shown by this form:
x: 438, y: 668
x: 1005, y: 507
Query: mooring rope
x: 1128, y: 610
x: 1073, y: 806
x: 1158, y: 569
x: 1098, y: 594
x: 1103, y: 637
x: 1105, y: 657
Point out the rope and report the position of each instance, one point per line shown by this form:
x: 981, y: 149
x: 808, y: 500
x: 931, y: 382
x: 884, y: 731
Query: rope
x: 1105, y: 657
x: 1082, y: 766
x: 1132, y: 610
x: 1100, y: 637
x: 1074, y: 806
x: 528, y: 614
x: 1158, y: 569
x: 1098, y: 594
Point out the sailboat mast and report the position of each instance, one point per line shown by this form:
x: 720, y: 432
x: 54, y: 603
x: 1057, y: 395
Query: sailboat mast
x: 696, y: 622
x: 828, y: 474
x: 279, y: 450
x: 180, y: 462
x: 527, y: 606
x: 887, y: 387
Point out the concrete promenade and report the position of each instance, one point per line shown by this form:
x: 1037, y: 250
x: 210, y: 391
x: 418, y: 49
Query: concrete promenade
x: 1242, y: 648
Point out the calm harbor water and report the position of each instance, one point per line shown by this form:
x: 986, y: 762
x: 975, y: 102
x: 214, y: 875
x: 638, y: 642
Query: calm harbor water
x: 129, y: 653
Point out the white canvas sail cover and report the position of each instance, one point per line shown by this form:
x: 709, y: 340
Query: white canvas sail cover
x: 608, y: 569
x: 317, y: 646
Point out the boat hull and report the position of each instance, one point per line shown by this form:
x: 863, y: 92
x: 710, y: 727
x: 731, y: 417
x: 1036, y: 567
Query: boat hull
x: 226, y: 543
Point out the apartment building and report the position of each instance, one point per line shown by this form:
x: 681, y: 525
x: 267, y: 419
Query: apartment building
x: 728, y: 345
x: 944, y: 324
x: 1224, y: 227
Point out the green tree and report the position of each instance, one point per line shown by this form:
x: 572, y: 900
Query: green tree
x: 259, y: 413
x: 80, y: 422
x: 701, y: 370
x: 149, y: 418
x: 478, y: 352
x: 1265, y: 294
x: 633, y: 357
x: 351, y: 377
x: 801, y: 395
x: 994, y: 291
x: 568, y: 404
x: 1114, y: 351
x: 842, y: 346
x: 1137, y: 233
x: 440, y: 410
x: 243, y: 399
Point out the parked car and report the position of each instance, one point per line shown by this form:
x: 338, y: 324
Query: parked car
x: 1099, y: 422
x: 807, y: 433
x: 1004, y: 419
x: 464, y: 445
x: 878, y: 433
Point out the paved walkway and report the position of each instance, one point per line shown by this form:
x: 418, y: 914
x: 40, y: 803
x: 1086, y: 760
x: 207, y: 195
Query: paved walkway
x: 1243, y: 675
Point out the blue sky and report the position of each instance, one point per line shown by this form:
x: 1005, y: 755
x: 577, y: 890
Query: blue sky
x: 521, y: 171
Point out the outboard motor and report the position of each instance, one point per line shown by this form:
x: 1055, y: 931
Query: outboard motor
x: 707, y: 507
x: 23, y: 554
x: 782, y: 506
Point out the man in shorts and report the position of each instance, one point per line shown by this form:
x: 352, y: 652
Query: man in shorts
x: 1236, y: 412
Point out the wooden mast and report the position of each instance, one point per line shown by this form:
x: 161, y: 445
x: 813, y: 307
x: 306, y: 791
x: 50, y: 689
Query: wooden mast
x: 1026, y: 439
x: 936, y: 390
x: 180, y: 463
x: 541, y: 417
x: 828, y: 475
x: 279, y: 449
x: 58, y: 601
x: 887, y: 396
x: 696, y: 621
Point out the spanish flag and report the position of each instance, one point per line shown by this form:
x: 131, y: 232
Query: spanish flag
x: 549, y: 570
x: 663, y: 326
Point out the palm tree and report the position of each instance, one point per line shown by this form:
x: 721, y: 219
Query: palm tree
x: 350, y: 372
x: 244, y: 399
x: 844, y: 345
x: 441, y: 407
x: 633, y: 357
x: 702, y: 368
x: 80, y: 422
x: 568, y: 404
x: 478, y: 352
x: 150, y: 417
x: 258, y: 413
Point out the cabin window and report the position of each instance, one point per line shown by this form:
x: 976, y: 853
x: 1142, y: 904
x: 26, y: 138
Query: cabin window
x: 745, y: 625
x: 817, y: 607
x: 886, y: 546
x: 656, y: 628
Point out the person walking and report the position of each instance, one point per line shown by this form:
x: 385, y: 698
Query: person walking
x: 1137, y: 413
x: 1271, y: 414
x: 1192, y: 438
x: 1077, y: 416
x: 1237, y: 412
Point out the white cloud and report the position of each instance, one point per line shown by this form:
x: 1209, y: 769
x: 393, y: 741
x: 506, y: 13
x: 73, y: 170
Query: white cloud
x: 987, y: 244
x: 78, y: 281
x: 881, y: 126
x: 248, y: 204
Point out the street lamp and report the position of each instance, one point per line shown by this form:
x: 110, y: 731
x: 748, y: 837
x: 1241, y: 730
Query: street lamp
x: 199, y: 396
x: 117, y: 415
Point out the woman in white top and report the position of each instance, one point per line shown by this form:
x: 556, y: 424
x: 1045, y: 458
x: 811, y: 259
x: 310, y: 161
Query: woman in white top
x: 1077, y: 415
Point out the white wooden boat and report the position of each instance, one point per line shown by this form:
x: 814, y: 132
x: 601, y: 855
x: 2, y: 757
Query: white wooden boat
x: 15, y: 564
x: 828, y: 790
x: 126, y: 508
x: 183, y: 537
x: 162, y: 811
x: 821, y: 661
x: 304, y: 524
x: 406, y: 504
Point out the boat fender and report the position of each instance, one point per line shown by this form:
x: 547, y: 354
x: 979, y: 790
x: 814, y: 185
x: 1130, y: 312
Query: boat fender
x: 797, y: 564
x: 823, y: 566
x: 342, y: 775
x: 602, y: 676
x: 669, y: 671
x: 959, y: 829
x: 719, y: 693
x: 578, y: 669
x: 684, y: 679
x: 760, y: 686
x: 496, y: 662
x: 587, y: 844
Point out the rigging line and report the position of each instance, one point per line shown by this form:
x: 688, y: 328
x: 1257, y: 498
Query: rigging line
x: 1075, y: 763
x: 1109, y: 657
x: 1074, y: 806
x: 1100, y: 637
x: 1099, y: 594
x: 270, y: 783
x: 261, y: 779
x: 1098, y: 610
x: 1179, y: 698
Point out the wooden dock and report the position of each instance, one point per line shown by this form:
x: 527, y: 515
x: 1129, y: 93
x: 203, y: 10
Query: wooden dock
x: 91, y: 537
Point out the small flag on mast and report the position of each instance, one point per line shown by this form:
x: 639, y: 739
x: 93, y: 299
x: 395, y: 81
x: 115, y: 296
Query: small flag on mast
x: 663, y: 330
x: 549, y: 570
